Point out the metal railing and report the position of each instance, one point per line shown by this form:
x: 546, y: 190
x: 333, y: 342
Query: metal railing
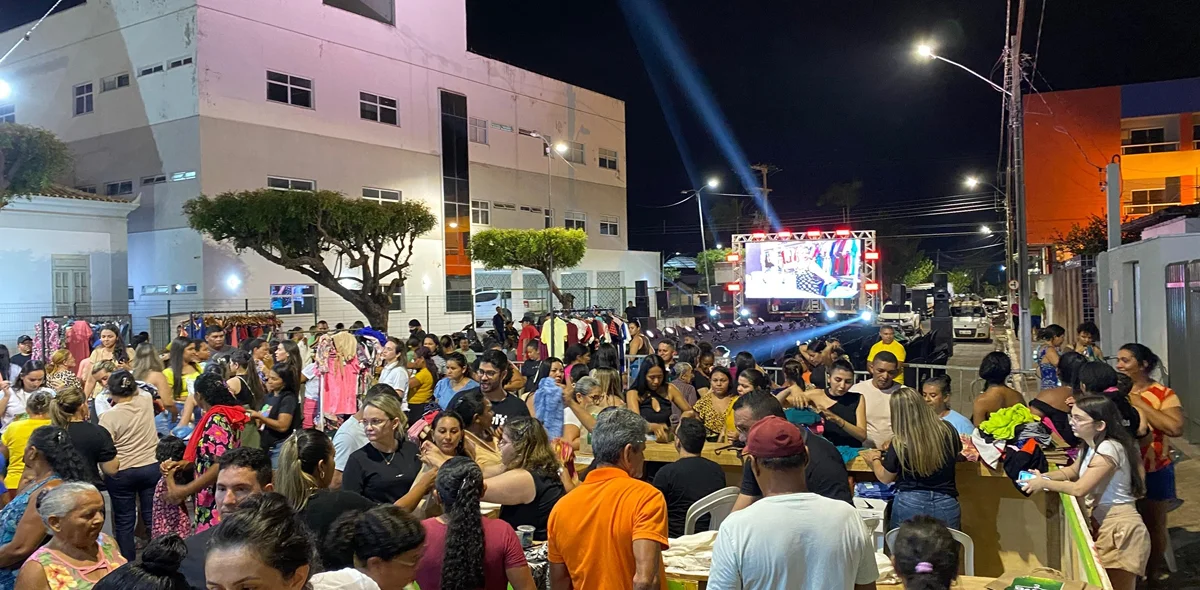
x: 1146, y: 208
x: 1150, y: 148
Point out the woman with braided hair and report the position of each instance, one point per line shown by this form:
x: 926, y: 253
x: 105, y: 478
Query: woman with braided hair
x: 464, y: 550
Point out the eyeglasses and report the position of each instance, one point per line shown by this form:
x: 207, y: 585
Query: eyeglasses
x: 375, y: 423
x: 1073, y: 419
x: 487, y: 373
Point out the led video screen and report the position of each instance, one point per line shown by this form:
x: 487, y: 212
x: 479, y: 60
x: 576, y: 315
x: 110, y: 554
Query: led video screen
x: 809, y: 269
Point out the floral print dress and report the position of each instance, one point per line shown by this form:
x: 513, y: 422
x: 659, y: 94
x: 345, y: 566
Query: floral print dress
x: 62, y: 574
x: 219, y: 436
x: 10, y: 516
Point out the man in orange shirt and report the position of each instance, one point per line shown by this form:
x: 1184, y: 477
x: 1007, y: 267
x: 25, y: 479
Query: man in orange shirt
x: 610, y: 531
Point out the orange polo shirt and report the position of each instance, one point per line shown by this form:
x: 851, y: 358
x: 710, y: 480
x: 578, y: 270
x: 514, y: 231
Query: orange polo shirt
x: 592, y: 529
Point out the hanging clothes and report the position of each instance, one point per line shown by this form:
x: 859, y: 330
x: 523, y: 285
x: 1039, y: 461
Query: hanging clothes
x: 79, y: 339
x: 45, y: 340
x: 339, y: 386
x: 555, y: 349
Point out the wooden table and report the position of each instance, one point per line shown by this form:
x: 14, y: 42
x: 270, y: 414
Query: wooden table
x: 963, y: 583
x: 665, y: 453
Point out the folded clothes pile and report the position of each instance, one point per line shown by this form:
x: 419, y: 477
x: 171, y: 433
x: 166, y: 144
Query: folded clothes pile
x: 690, y: 554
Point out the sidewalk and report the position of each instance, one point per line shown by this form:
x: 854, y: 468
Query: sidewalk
x: 1184, y: 522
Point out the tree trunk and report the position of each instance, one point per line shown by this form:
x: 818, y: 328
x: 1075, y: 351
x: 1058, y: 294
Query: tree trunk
x: 566, y: 300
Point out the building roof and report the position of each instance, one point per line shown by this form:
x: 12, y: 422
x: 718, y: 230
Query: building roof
x: 1161, y: 216
x: 62, y: 192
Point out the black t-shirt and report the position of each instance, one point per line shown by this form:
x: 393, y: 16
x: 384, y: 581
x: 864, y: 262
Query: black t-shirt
x: 825, y: 475
x: 844, y: 406
x: 19, y: 360
x: 684, y: 482
x: 548, y: 490
x: 381, y: 478
x: 192, y: 566
x: 282, y: 403
x: 941, y: 481
x: 700, y: 381
x: 534, y: 371
x: 325, y: 506
x: 95, y: 444
x: 510, y: 407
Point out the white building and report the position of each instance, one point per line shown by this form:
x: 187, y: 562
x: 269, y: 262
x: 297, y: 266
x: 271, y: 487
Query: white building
x: 175, y: 98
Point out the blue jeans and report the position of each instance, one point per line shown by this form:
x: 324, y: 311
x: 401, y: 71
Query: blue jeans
x: 916, y: 503
x: 128, y: 488
x: 275, y: 450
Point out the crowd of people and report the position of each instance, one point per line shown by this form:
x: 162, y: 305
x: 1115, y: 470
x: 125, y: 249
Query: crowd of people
x: 210, y: 466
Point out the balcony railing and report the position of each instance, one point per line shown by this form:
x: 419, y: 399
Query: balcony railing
x: 1145, y: 209
x: 1150, y: 148
x: 1196, y: 144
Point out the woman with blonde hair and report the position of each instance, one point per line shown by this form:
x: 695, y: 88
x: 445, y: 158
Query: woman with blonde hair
x: 69, y: 411
x: 58, y: 371
x: 531, y: 484
x: 303, y: 477
x: 920, y: 460
x: 388, y: 468
x: 147, y: 369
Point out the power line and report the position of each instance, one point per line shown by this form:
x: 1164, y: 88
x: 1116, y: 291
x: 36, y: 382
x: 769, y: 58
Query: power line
x: 1037, y: 48
x: 29, y: 33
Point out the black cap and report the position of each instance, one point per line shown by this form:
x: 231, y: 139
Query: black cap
x: 23, y: 339
x: 414, y: 323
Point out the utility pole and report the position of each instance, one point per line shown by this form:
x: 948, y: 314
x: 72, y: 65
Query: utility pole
x: 1017, y: 191
x: 764, y: 170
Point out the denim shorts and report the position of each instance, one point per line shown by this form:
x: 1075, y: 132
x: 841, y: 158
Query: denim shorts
x: 1160, y: 485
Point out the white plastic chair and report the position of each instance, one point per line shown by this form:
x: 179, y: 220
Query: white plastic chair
x: 962, y: 538
x: 872, y: 512
x: 716, y: 505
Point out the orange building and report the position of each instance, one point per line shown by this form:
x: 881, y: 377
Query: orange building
x: 1153, y: 128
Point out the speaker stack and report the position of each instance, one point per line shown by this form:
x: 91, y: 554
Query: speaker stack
x: 942, y: 324
x: 641, y: 300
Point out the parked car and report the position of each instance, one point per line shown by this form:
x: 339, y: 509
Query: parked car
x: 971, y: 321
x: 901, y: 316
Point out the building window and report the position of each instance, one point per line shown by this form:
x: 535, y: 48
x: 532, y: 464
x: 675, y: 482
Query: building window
x: 502, y: 127
x: 398, y: 297
x: 89, y: 189
x: 549, y: 214
x: 380, y: 195
x: 383, y: 11
x: 70, y: 275
x: 160, y: 179
x: 1147, y: 201
x: 83, y: 99
x: 477, y: 130
x: 114, y: 82
x: 1146, y: 141
x: 146, y: 71
x: 610, y: 226
x: 188, y: 289
x: 504, y: 206
x: 293, y: 299
x: 290, y: 184
x: 179, y: 63
x: 156, y: 289
x: 8, y: 113
x: 179, y: 176
x: 608, y: 159
x: 123, y: 187
x: 377, y: 108
x: 575, y: 220
x: 481, y: 213
x: 574, y: 152
x: 292, y: 90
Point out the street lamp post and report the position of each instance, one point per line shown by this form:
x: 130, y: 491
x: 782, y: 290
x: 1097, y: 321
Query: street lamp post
x: 712, y: 184
x: 974, y: 181
x: 559, y: 148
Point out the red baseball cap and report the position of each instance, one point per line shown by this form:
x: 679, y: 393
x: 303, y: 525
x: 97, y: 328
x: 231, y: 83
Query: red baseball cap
x: 774, y: 437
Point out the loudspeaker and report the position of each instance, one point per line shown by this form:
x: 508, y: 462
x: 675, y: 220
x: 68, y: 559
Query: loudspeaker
x: 661, y: 299
x: 899, y: 293
x: 641, y: 289
x: 642, y: 303
x: 920, y: 302
x: 940, y: 280
x: 941, y: 306
x: 943, y: 331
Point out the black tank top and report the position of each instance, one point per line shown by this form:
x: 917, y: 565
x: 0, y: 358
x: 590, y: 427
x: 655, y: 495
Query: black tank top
x: 844, y: 406
x: 646, y: 409
x: 548, y: 489
x: 1060, y: 419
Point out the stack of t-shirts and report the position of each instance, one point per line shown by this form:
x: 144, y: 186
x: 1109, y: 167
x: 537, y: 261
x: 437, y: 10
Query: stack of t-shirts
x: 690, y: 554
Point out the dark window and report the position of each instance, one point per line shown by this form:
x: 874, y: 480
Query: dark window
x: 383, y: 11
x: 293, y: 299
x: 292, y: 90
x: 83, y: 99
x: 458, y: 294
x: 8, y: 113
x: 377, y: 108
x: 456, y: 196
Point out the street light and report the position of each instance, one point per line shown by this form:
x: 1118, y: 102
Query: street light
x: 713, y: 183
x: 985, y: 230
x: 926, y: 51
x: 971, y: 182
x: 561, y: 148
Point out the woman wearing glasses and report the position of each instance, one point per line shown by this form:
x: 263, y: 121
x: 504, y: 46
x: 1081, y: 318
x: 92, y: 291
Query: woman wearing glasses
x: 388, y: 468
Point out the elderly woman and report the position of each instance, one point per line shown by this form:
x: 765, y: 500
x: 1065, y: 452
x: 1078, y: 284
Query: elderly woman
x: 50, y: 460
x: 78, y: 554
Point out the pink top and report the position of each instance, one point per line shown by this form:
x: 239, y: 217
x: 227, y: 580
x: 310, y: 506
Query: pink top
x: 62, y: 573
x: 501, y: 551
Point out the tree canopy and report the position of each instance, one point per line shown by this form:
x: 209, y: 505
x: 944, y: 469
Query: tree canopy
x: 314, y: 233
x: 543, y: 250
x: 30, y: 160
x: 1091, y: 238
x: 919, y: 273
x: 962, y: 280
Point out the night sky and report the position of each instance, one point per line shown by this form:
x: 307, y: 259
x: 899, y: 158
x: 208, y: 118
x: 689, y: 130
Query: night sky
x: 827, y: 92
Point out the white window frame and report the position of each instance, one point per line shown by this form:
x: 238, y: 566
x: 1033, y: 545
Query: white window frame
x: 499, y: 206
x: 548, y: 214
x: 108, y: 192
x: 481, y: 213
x: 88, y: 95
x: 87, y: 188
x: 179, y: 62
x: 70, y: 281
x: 8, y: 113
x: 379, y: 107
x: 114, y: 82
x: 151, y: 69
x: 184, y: 175
x: 156, y: 289
x: 610, y: 225
x: 157, y: 179
x: 477, y: 130
x: 575, y: 153
x: 291, y: 183
x: 609, y: 159
x: 291, y: 86
x: 378, y: 197
x: 575, y: 220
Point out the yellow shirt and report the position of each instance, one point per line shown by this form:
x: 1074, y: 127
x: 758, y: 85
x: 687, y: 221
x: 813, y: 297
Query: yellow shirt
x: 420, y: 387
x: 895, y: 348
x: 16, y: 438
x: 189, y: 379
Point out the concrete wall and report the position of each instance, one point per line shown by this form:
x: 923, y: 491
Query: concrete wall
x: 1145, y: 322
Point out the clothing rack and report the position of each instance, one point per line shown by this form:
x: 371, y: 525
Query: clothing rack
x: 120, y: 319
x: 264, y: 318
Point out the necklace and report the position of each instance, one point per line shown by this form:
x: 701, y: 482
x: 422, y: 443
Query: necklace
x: 389, y: 457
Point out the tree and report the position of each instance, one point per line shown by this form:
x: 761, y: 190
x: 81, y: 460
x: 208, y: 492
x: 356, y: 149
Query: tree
x: 961, y: 280
x: 30, y: 160
x: 671, y: 273
x: 543, y: 250
x: 843, y: 195
x: 900, y: 255
x: 706, y: 262
x: 1091, y: 238
x: 308, y: 231
x: 919, y: 273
